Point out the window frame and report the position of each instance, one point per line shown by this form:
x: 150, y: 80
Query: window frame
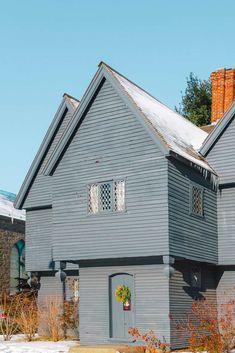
x: 112, y: 210
x: 191, y: 211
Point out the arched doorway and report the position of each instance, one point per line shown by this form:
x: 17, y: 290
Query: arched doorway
x: 121, y: 317
x: 17, y: 266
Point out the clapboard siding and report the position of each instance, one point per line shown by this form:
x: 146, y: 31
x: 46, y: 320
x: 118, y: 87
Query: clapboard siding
x: 226, y: 284
x: 51, y: 287
x: 222, y: 158
x: 151, y: 301
x: 110, y: 144
x: 222, y: 155
x: 182, y: 296
x: 40, y: 193
x: 191, y: 237
x: 50, y: 291
x: 38, y: 240
x: 226, y: 226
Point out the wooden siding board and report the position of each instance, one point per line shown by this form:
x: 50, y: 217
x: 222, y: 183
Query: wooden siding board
x: 151, y: 301
x: 38, y: 240
x: 222, y: 158
x: 110, y: 146
x: 222, y: 155
x: 190, y: 236
x: 51, y: 286
x: 226, y: 226
x: 182, y: 296
x: 226, y: 283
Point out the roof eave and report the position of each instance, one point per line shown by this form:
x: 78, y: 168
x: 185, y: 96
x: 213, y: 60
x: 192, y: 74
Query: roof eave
x: 188, y: 162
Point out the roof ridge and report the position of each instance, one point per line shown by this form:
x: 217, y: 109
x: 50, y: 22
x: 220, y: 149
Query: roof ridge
x: 149, y: 94
x: 69, y: 96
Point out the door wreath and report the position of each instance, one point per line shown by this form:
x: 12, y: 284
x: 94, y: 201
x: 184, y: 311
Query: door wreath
x: 123, y: 295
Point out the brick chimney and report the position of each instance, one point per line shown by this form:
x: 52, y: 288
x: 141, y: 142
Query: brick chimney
x: 223, y: 92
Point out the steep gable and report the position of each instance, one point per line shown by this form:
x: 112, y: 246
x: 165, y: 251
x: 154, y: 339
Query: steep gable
x: 35, y: 190
x: 219, y: 149
x: 173, y: 134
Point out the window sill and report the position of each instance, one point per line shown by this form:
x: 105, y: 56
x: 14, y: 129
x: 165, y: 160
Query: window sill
x: 197, y: 215
x: 107, y: 214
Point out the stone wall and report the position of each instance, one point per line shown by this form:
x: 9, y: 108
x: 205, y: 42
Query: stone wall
x: 10, y: 233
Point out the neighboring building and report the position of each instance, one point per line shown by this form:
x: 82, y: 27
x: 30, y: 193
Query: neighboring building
x: 120, y: 189
x: 12, y: 243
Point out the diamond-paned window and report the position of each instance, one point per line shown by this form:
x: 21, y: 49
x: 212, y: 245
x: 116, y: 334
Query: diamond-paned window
x: 93, y: 198
x: 108, y: 196
x: 119, y: 195
x: 197, y: 200
x: 105, y: 196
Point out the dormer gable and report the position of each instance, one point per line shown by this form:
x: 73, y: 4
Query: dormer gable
x: 218, y: 148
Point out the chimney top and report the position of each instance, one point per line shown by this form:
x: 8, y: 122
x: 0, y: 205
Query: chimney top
x: 223, y: 91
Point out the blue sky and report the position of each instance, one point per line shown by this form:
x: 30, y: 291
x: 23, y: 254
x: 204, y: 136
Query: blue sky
x: 49, y: 47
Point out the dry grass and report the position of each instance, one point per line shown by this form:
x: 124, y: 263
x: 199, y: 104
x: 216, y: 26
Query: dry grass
x: 27, y: 316
x: 50, y: 317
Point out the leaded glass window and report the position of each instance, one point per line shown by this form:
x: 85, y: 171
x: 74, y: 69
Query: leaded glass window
x: 105, y: 196
x: 119, y: 195
x: 197, y: 200
x: 108, y: 196
x: 93, y: 198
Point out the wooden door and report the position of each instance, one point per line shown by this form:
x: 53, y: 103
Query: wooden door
x: 120, y: 319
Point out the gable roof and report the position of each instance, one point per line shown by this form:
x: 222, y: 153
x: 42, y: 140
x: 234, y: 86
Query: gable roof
x: 178, y: 133
x: 218, y: 130
x: 174, y: 134
x: 68, y: 103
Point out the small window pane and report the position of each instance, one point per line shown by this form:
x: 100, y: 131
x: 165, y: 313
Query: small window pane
x: 196, y: 278
x: 197, y: 200
x: 93, y: 198
x: 106, y: 197
x: 119, y: 195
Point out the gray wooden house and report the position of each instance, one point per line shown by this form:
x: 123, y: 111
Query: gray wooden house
x: 120, y: 193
